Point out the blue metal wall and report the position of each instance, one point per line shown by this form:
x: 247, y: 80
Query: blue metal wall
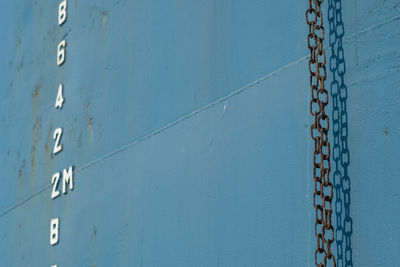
x: 188, y: 126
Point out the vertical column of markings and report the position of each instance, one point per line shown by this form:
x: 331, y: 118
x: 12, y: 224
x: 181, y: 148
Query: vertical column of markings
x: 66, y: 177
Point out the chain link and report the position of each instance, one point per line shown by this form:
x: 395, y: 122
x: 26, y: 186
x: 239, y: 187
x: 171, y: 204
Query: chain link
x: 323, y: 193
x: 340, y: 154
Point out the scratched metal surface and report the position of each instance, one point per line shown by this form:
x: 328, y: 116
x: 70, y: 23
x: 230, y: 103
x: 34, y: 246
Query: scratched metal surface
x: 188, y: 125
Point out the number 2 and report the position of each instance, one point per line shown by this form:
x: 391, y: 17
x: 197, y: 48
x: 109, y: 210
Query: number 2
x: 57, y: 136
x: 67, y: 182
x: 54, y: 180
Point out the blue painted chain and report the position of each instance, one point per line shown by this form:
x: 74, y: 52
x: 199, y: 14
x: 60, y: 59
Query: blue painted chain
x: 341, y: 156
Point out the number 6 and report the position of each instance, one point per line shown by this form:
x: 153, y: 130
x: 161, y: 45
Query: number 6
x: 61, y: 52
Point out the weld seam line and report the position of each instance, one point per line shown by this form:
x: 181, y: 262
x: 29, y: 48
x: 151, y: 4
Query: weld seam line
x: 373, y: 27
x: 187, y: 116
x: 162, y: 129
x: 171, y: 124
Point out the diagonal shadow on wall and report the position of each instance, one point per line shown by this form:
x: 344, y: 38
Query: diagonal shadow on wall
x: 341, y: 155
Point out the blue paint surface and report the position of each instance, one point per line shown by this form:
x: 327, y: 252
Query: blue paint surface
x: 188, y: 126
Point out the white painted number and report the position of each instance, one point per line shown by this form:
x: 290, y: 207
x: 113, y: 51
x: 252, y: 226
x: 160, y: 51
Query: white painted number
x: 54, y: 225
x: 57, y: 136
x: 54, y: 180
x: 61, y: 52
x: 67, y: 181
x: 62, y: 12
x: 60, y: 98
x: 68, y: 178
x: 53, y: 265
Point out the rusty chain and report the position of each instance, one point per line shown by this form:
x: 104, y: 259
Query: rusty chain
x: 323, y: 192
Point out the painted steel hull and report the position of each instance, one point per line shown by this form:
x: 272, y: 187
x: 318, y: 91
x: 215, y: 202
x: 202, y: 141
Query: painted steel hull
x: 187, y: 123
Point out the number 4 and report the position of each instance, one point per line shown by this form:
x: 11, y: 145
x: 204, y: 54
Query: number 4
x: 60, y: 98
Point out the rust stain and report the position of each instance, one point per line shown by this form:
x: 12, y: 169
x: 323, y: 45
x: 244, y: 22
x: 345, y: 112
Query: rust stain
x: 36, y: 91
x: 90, y: 122
x: 94, y: 246
x: 104, y: 17
x: 33, y: 152
x: 90, y: 128
x: 21, y: 172
x: 47, y: 145
x: 48, y: 153
x: 36, y: 128
x: 18, y: 41
x: 18, y: 57
x: 80, y: 141
x: 20, y: 65
x: 20, y: 181
x: 93, y: 10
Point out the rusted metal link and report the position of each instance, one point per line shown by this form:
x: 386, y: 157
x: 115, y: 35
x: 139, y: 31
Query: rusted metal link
x: 323, y: 188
